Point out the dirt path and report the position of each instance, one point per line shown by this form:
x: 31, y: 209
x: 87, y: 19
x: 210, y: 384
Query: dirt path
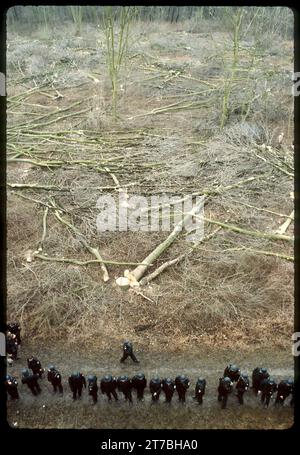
x: 50, y: 411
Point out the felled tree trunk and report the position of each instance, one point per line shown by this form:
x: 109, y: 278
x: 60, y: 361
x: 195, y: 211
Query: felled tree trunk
x: 284, y: 227
x: 132, y: 278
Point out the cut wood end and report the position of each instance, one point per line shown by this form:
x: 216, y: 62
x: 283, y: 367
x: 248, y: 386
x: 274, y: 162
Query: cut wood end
x: 131, y: 279
x: 123, y: 282
x: 29, y: 255
x: 105, y: 278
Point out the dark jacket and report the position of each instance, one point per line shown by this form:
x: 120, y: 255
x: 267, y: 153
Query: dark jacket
x: 285, y: 388
x: 77, y: 382
x: 182, y: 383
x: 225, y: 386
x: 108, y: 384
x: 35, y: 365
x: 127, y: 347
x: 31, y: 380
x: 54, y: 376
x: 124, y: 384
x: 258, y: 376
x: 155, y: 385
x: 232, y: 372
x: 200, y: 386
x: 268, y: 386
x: 13, y: 327
x: 242, y: 383
x: 139, y: 382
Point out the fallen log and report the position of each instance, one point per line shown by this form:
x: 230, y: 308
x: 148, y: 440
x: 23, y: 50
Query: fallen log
x: 174, y: 261
x: 284, y: 227
x: 131, y: 279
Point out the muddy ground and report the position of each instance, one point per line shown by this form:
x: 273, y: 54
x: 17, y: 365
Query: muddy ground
x: 54, y: 411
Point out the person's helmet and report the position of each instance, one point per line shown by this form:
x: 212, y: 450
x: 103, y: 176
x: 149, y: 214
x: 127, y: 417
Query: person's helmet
x: 25, y: 372
x: 123, y: 378
x: 233, y: 368
x: 290, y: 382
x: 226, y: 379
x: 9, y: 377
x: 168, y: 380
x: 107, y: 378
x: 155, y: 379
x: 75, y: 374
x: 51, y: 367
x: 268, y: 380
x: 140, y: 376
x: 263, y: 370
x: 200, y: 379
x: 92, y: 378
x: 184, y: 379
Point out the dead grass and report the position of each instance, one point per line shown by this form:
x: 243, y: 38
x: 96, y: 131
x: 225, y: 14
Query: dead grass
x: 221, y: 293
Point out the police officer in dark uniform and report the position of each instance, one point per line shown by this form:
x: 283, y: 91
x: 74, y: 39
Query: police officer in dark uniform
x: 285, y: 388
x: 128, y: 351
x: 35, y: 365
x: 13, y: 327
x: 76, y: 383
x: 242, y: 386
x: 12, y: 346
x: 11, y: 385
x: 108, y: 386
x: 139, y: 383
x: 224, y: 389
x: 268, y: 387
x: 125, y: 386
x: 258, y: 375
x: 93, y: 387
x: 155, y: 388
x: 232, y: 372
x: 31, y: 379
x: 182, y: 383
x: 54, y: 377
x: 168, y: 387
x: 200, y: 390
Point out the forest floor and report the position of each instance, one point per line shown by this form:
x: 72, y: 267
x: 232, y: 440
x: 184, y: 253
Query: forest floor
x: 65, y: 150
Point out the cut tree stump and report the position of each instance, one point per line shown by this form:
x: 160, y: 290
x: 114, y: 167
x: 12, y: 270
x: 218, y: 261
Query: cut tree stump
x: 131, y: 279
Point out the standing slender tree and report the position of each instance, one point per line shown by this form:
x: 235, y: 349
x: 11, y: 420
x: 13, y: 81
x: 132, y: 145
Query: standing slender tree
x: 76, y: 11
x: 236, y: 21
x: 117, y: 35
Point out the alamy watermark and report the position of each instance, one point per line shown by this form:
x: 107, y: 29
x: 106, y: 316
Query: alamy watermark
x: 296, y: 85
x: 151, y: 214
